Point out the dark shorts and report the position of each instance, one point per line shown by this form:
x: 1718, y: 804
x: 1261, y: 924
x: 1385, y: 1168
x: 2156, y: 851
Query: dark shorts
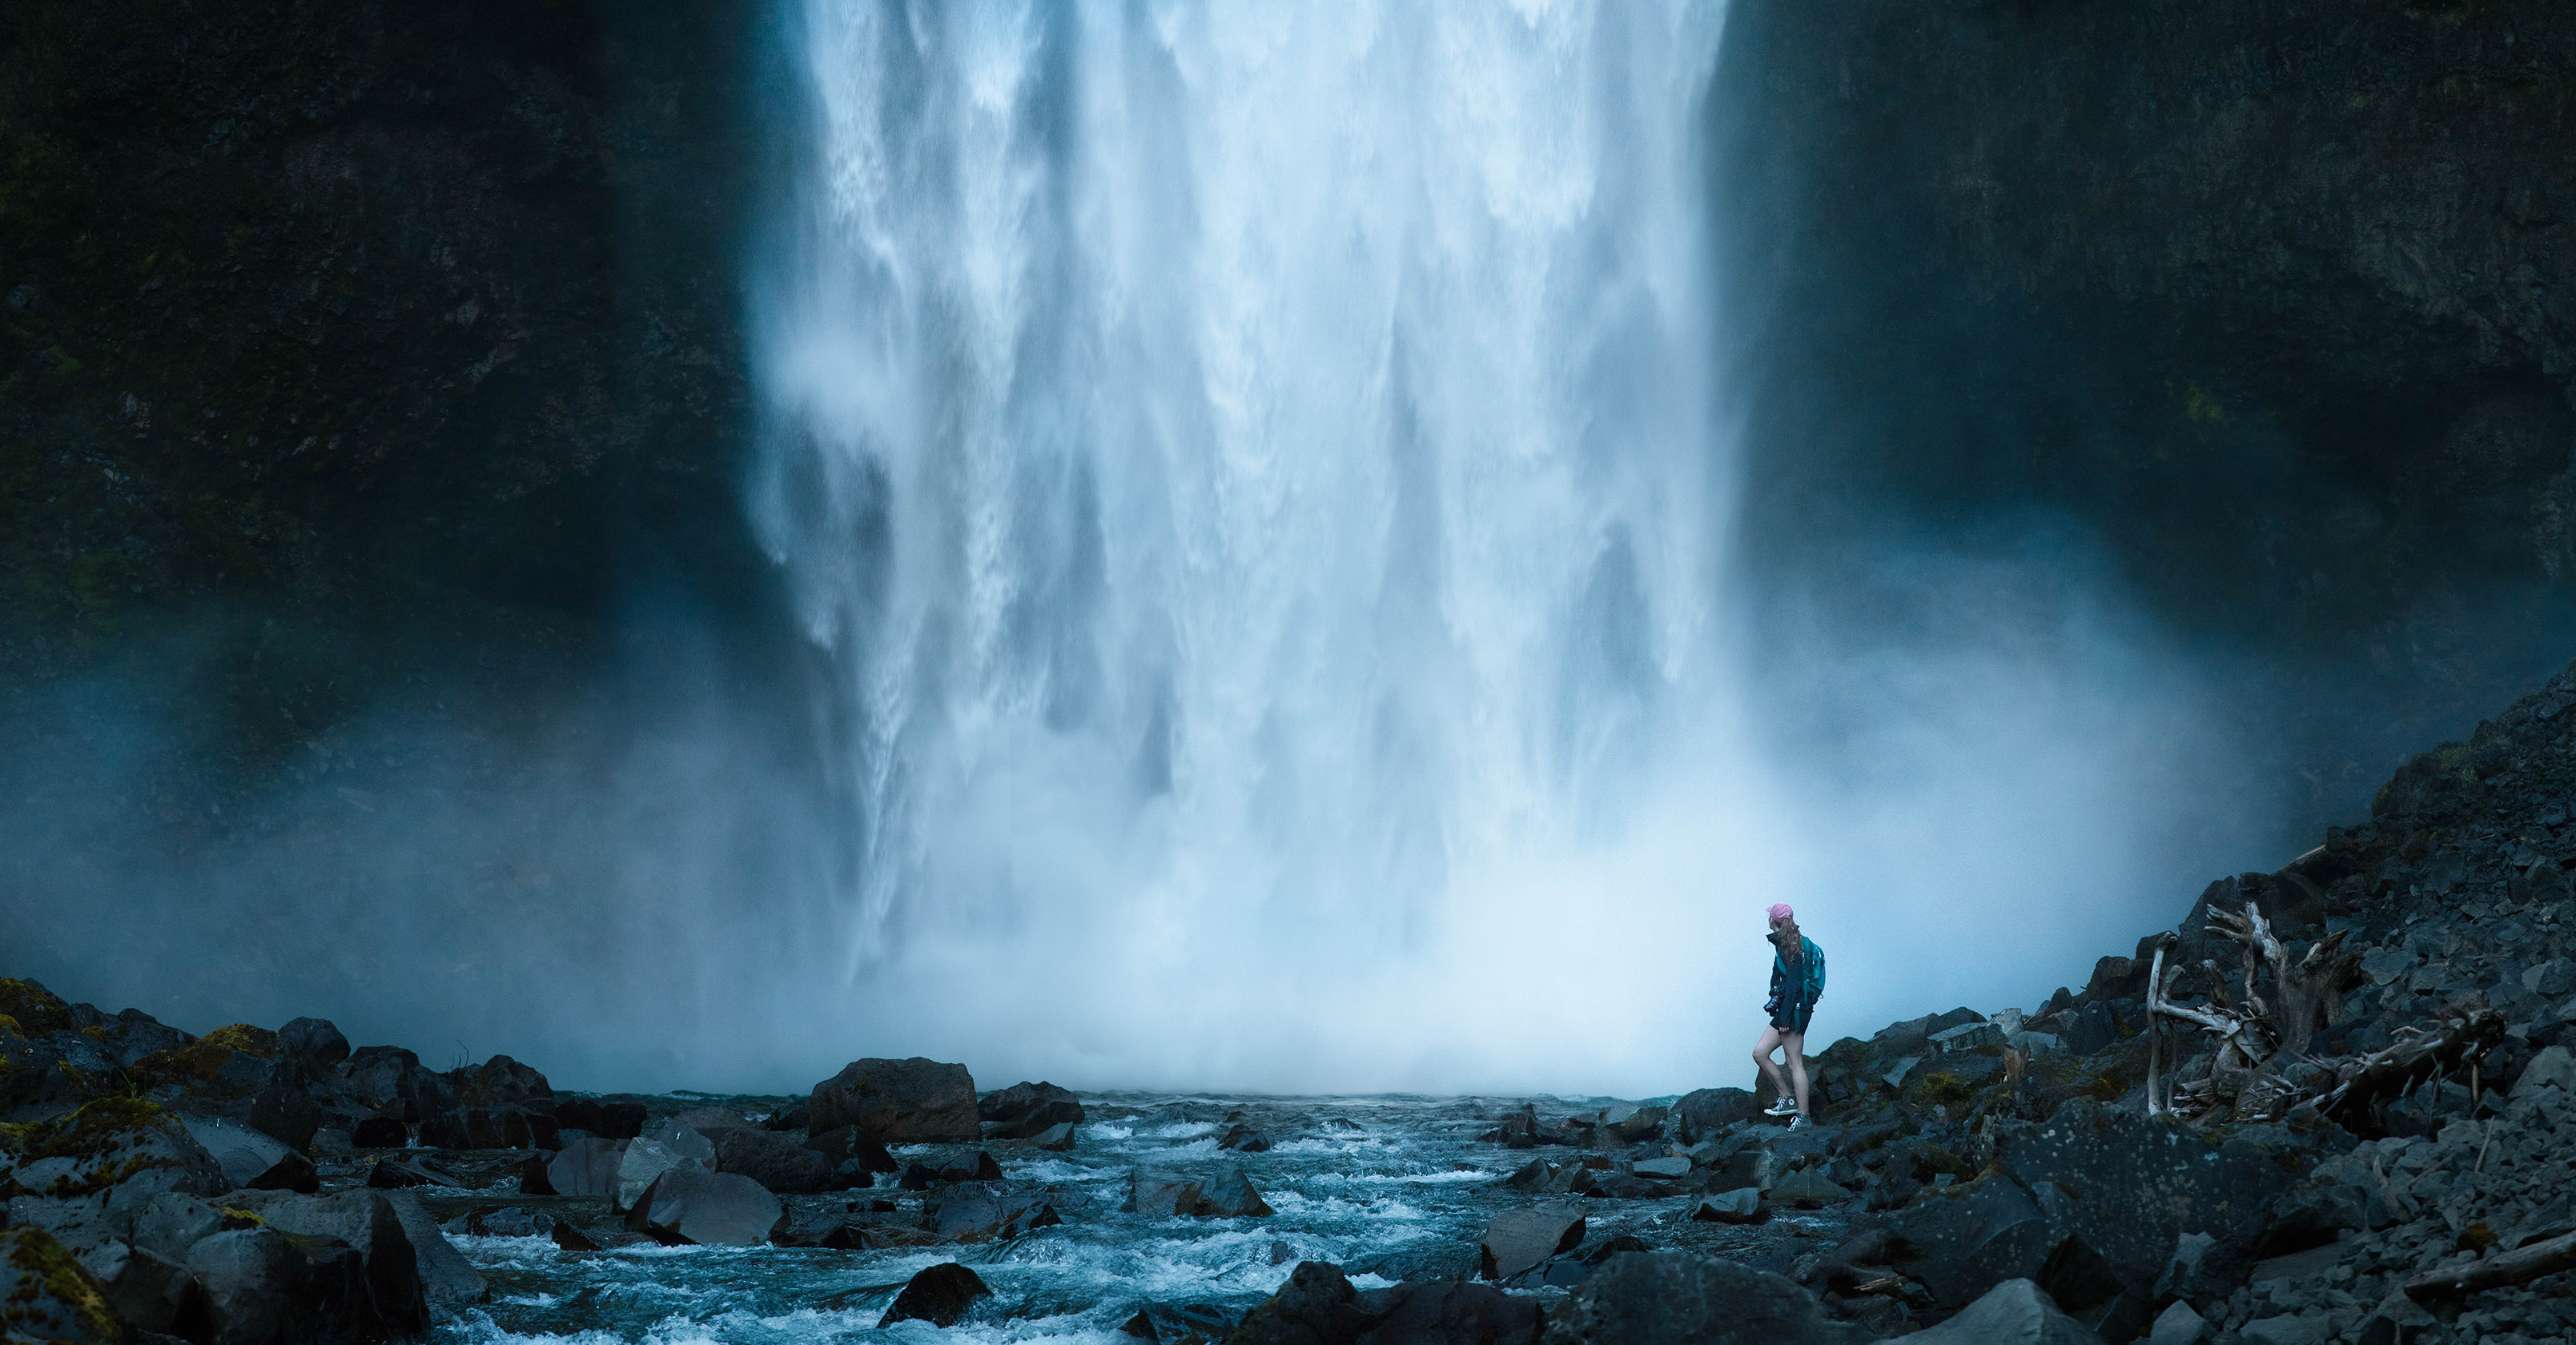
x: 1793, y: 1017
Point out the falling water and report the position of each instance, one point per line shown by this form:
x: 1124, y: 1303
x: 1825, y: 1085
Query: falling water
x: 1256, y: 469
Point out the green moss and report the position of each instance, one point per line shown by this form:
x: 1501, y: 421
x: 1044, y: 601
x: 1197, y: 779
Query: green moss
x: 258, y: 1041
x: 1944, y: 1087
x: 25, y: 1002
x: 10, y: 1026
x: 53, y: 1293
x: 2201, y: 408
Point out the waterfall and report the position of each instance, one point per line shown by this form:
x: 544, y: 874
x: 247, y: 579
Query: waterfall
x: 1258, y: 474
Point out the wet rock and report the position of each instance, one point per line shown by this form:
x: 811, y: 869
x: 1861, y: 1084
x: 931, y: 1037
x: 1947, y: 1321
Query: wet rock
x: 394, y: 1174
x: 2178, y: 1324
x: 380, y: 1132
x: 1182, y: 1323
x: 166, y: 1225
x: 314, y: 1040
x: 572, y: 1239
x: 986, y: 1215
x: 1633, y: 1124
x: 1516, y: 1240
x: 773, y: 1160
x: 1757, y: 1168
x: 46, y: 1295
x: 1966, y: 1037
x: 1317, y: 1306
x: 721, y: 1209
x: 710, y: 1120
x: 149, y: 1292
x: 1741, y: 1206
x: 912, y: 1101
x: 641, y: 1164
x: 1229, y: 1194
x: 1245, y: 1139
x: 112, y: 1142
x: 2552, y: 979
x: 1025, y: 1110
x: 1445, y: 1312
x: 1541, y: 1177
x: 1671, y: 1169
x: 844, y: 1146
x: 502, y: 1082
x: 585, y: 1169
x: 447, y: 1280
x: 2014, y: 1312
x: 1059, y: 1138
x: 1709, y: 1110
x: 1806, y: 1189
x: 294, y: 1172
x: 977, y: 1166
x: 2141, y: 1185
x: 397, y: 1298
x: 259, y: 1286
x: 681, y: 1140
x: 1161, y: 1195
x: 243, y: 1154
x: 1672, y: 1298
x: 2552, y: 1067
x: 1966, y: 1240
x: 941, y: 1296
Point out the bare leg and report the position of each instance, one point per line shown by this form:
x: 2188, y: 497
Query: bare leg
x: 1796, y: 1044
x: 1762, y: 1049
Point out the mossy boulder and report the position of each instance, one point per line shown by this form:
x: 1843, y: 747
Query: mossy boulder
x: 30, y: 1010
x: 46, y: 1296
x: 103, y: 1144
x: 231, y: 1061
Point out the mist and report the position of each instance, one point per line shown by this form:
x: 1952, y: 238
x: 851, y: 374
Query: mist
x: 1259, y: 488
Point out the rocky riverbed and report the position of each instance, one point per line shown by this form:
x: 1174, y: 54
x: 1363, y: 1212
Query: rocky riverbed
x: 2333, y: 1103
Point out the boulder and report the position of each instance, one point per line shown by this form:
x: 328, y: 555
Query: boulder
x: 380, y: 1132
x: 1756, y: 1168
x: 843, y: 1146
x: 1182, y: 1323
x: 1965, y: 1240
x: 1806, y: 1189
x: 2014, y: 1312
x: 607, y: 1120
x: 242, y: 1153
x: 149, y: 1292
x: 166, y: 1225
x: 1161, y: 1195
x: 2178, y: 1324
x: 111, y: 1142
x: 447, y: 1280
x: 1662, y: 1169
x: 397, y: 1298
x: 390, y: 1080
x: 284, y: 1109
x: 723, y: 1209
x: 1966, y: 1037
x: 1541, y: 1177
x: 976, y: 1166
x: 1632, y: 1124
x: 1741, y: 1206
x: 1672, y: 1298
x: 1245, y: 1139
x: 1059, y: 1139
x: 394, y: 1174
x: 2553, y: 1067
x: 771, y: 1159
x: 682, y: 1140
x: 2133, y: 1186
x: 1025, y: 1110
x: 640, y: 1164
x: 2552, y: 979
x: 1317, y: 1306
x: 941, y: 1296
x: 913, y: 1101
x: 709, y: 1120
x: 501, y: 1082
x: 295, y: 1172
x: 315, y: 1041
x: 1709, y: 1110
x: 1229, y: 1194
x: 1446, y: 1312
x: 967, y: 1214
x: 1517, y: 1240
x: 46, y: 1295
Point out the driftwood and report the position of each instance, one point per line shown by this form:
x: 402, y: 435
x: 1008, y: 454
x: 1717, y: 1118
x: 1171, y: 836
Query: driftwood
x: 2310, y: 990
x: 2466, y: 1029
x: 2520, y: 1266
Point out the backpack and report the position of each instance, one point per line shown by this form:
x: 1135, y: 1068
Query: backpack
x: 1814, y: 959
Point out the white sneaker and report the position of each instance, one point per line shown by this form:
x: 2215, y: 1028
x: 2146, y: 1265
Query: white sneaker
x: 1781, y: 1106
x: 1798, y: 1124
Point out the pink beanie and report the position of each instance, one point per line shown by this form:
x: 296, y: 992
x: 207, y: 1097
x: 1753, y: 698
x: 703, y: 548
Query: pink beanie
x: 1780, y: 911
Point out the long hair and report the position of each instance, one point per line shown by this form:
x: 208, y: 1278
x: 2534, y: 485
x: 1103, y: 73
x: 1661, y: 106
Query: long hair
x: 1793, y: 945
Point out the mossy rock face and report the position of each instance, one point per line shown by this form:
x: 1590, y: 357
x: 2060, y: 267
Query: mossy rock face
x: 30, y: 1010
x: 46, y: 1296
x: 200, y: 1065
x: 104, y: 1144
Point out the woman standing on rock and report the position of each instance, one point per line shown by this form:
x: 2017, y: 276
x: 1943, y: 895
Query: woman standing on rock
x: 1797, y: 982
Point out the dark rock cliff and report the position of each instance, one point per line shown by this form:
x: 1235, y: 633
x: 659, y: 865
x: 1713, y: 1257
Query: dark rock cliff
x: 363, y: 320
x: 2269, y: 301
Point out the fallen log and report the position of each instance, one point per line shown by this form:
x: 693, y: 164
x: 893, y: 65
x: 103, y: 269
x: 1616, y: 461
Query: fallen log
x: 2467, y: 1029
x: 2505, y: 1269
